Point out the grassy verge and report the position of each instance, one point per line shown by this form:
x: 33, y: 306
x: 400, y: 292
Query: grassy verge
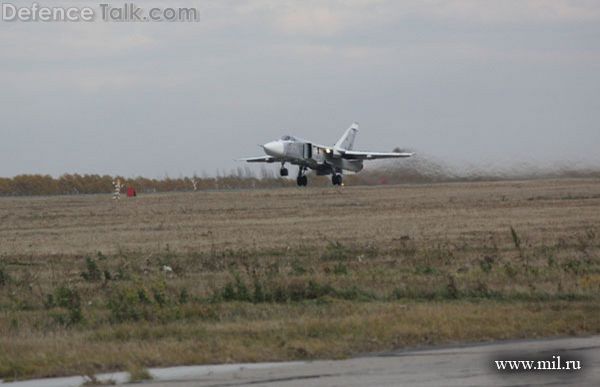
x: 64, y: 315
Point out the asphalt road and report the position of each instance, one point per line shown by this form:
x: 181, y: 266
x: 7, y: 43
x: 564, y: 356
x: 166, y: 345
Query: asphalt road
x: 471, y: 365
x: 451, y: 366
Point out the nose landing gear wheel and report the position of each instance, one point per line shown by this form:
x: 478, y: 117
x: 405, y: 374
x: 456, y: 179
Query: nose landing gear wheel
x: 283, y: 172
x: 336, y: 179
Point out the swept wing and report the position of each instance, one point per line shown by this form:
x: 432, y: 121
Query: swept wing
x: 260, y: 159
x: 360, y: 155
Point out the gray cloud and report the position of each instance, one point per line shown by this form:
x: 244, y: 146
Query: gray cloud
x: 467, y: 81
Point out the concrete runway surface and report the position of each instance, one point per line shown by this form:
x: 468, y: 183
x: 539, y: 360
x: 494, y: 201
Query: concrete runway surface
x: 467, y: 365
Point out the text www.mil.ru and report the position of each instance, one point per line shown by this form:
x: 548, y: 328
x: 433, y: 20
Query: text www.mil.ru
x: 556, y: 364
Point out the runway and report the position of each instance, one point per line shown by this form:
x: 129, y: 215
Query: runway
x: 465, y: 365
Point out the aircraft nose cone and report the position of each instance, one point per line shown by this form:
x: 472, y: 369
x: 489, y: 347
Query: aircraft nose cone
x: 273, y: 148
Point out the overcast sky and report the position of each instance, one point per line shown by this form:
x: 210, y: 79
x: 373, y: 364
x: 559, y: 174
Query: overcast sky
x: 468, y: 82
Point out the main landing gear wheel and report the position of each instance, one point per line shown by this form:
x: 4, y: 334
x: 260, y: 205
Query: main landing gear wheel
x: 283, y: 171
x: 302, y: 181
x: 336, y: 179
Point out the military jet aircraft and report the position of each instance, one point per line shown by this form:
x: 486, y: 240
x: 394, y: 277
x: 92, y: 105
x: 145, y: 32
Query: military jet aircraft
x: 324, y: 160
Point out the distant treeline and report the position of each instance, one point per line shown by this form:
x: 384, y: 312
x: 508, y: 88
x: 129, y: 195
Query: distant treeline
x: 73, y: 184
x: 26, y: 185
x: 413, y: 170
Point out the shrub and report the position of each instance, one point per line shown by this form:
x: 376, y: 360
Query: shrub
x: 235, y: 291
x: 313, y: 290
x: 371, y: 250
x: 92, y: 272
x: 128, y: 304
x: 138, y: 373
x: 425, y: 270
x: 242, y: 293
x: 510, y: 270
x: 297, y: 267
x: 574, y: 266
x: 184, y: 296
x: 259, y: 294
x: 122, y: 274
x: 68, y: 298
x: 294, y: 290
x: 335, y: 251
x: 451, y: 288
x: 354, y: 293
x: 487, y: 263
x: 142, y: 302
x: 340, y: 269
x: 4, y: 278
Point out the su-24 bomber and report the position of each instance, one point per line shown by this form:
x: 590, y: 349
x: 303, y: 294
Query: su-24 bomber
x: 324, y: 160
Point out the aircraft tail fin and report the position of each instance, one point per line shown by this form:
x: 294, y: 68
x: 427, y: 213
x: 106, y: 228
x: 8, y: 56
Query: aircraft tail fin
x: 346, y: 142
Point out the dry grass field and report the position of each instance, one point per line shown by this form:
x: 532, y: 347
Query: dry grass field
x: 89, y: 284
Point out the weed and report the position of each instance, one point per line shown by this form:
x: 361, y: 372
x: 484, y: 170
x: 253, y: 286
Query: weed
x: 398, y: 293
x: 515, y: 238
x: 575, y: 266
x: 590, y: 234
x: 371, y: 250
x: 425, y: 270
x: 242, y: 293
x: 4, y: 277
x: 235, y: 291
x: 510, y: 271
x: 335, y: 251
x: 297, y: 268
x: 122, y: 274
x: 184, y: 296
x: 487, y: 263
x: 340, y: 269
x: 355, y: 293
x: 451, y: 288
x: 259, y: 294
x: 482, y: 290
x: 68, y: 298
x: 407, y: 246
x: 92, y: 272
x: 276, y: 290
x: 138, y: 373
x: 130, y: 303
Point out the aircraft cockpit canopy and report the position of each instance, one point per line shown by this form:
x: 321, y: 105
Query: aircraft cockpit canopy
x: 287, y: 137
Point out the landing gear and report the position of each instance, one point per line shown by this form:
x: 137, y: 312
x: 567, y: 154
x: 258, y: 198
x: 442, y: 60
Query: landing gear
x: 302, y: 179
x: 283, y: 171
x: 336, y: 179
